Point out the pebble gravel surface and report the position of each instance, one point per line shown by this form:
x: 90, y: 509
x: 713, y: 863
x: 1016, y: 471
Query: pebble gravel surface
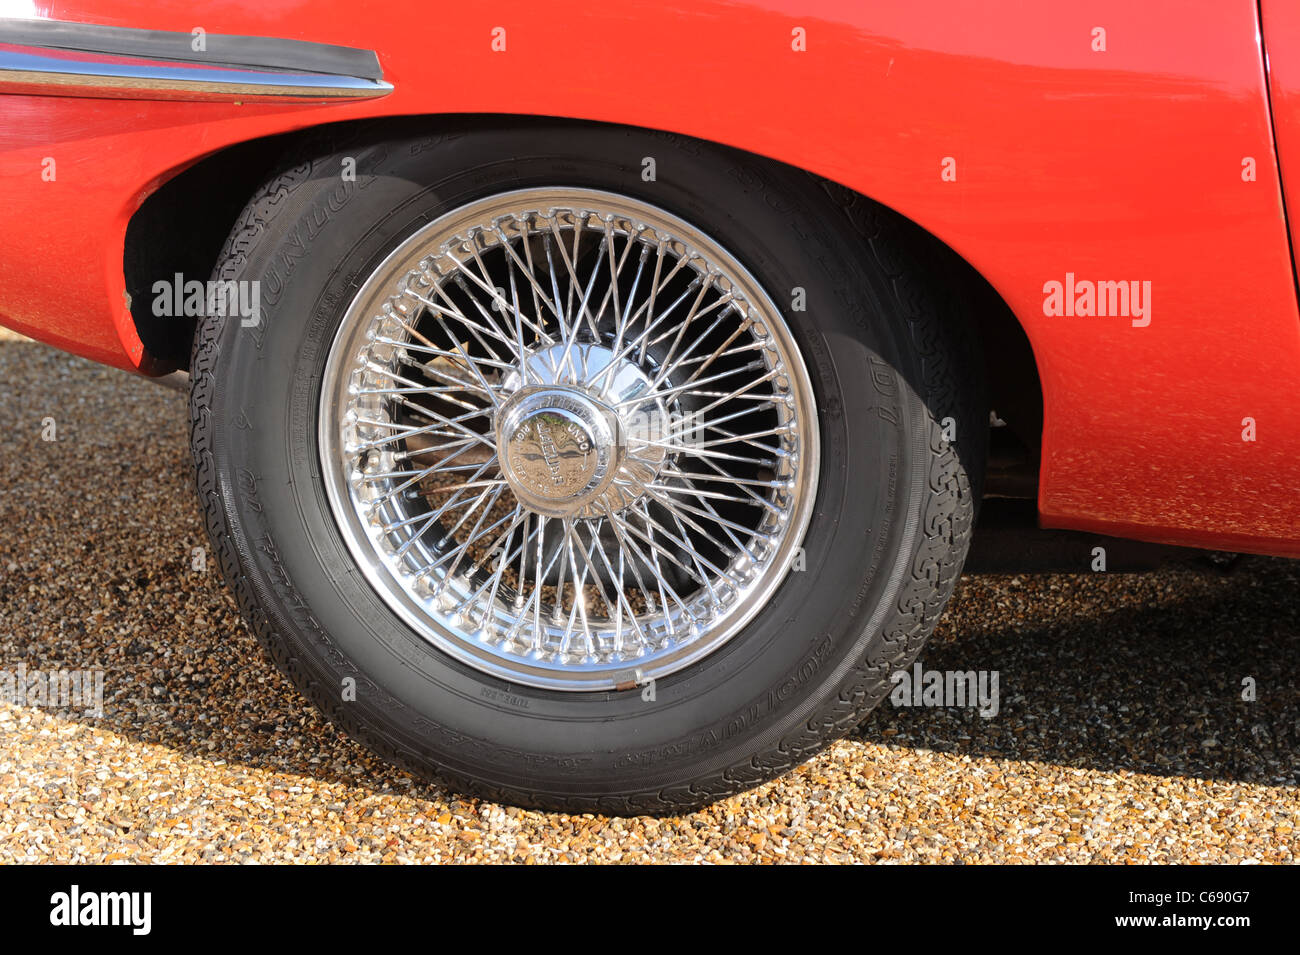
x: 1124, y: 731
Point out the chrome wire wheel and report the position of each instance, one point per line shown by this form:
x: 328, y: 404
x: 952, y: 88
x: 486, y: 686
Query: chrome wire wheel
x: 568, y: 438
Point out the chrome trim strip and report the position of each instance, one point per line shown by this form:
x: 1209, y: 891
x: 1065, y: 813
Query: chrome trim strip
x: 225, y: 50
x: 27, y: 69
x: 56, y: 76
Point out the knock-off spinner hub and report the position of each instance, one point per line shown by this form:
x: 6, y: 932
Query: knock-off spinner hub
x: 560, y: 448
x: 584, y: 431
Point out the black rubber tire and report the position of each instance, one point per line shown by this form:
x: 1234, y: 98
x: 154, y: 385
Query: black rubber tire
x: 892, y: 522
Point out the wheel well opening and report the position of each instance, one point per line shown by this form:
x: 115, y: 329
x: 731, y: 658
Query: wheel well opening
x: 180, y: 230
x: 1014, y: 390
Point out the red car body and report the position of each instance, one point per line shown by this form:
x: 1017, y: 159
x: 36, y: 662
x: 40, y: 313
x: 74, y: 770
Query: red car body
x: 1001, y: 128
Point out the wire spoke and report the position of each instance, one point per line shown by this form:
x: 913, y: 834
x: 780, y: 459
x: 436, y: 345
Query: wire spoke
x: 579, y: 442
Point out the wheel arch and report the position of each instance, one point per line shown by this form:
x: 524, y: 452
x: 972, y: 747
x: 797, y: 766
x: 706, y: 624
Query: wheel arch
x: 181, y: 226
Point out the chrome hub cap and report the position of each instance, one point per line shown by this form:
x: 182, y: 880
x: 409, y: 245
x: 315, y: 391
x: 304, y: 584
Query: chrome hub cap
x: 568, y: 439
x: 559, y: 449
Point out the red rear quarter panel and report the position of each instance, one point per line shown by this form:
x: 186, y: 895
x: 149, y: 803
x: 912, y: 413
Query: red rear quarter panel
x: 1117, y: 165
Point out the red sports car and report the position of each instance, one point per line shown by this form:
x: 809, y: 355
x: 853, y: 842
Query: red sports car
x: 591, y: 405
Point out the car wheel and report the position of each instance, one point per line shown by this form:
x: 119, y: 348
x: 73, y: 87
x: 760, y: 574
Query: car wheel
x: 581, y: 467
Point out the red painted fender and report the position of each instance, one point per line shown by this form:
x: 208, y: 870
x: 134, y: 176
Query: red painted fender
x: 1105, y: 140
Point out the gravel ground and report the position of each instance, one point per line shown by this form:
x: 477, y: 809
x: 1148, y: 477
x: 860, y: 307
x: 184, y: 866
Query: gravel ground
x: 1122, y: 733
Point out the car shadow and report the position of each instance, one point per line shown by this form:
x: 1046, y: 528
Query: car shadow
x: 1160, y: 684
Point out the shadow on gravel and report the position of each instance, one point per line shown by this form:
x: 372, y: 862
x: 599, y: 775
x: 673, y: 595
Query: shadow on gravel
x: 99, y: 532
x: 1154, y: 685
